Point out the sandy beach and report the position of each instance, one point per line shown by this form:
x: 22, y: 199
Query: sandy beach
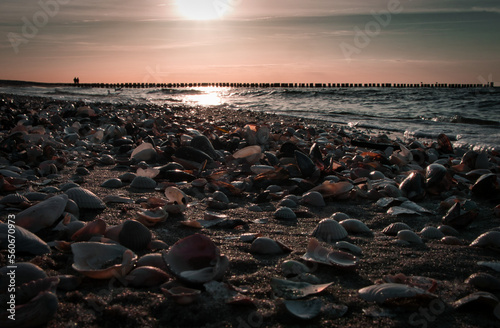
x: 348, y: 156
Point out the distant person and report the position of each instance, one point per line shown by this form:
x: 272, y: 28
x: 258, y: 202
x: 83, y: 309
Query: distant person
x: 77, y: 80
x: 74, y: 80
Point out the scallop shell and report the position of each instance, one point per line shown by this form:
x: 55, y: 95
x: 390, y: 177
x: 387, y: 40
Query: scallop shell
x: 112, y: 183
x: 102, y: 261
x: 85, y: 198
x: 146, y: 276
x: 409, y: 236
x: 329, y: 230
x: 313, y: 198
x: 143, y: 183
x: 134, y: 235
x: 391, y: 291
x: 284, y: 213
x: 483, y: 281
x: 25, y: 241
x: 304, y: 309
x: 287, y: 202
x: 339, y: 216
x: 354, y: 226
x: 264, y: 245
x: 495, y: 265
x: 488, y: 239
x: 318, y: 254
x: 43, y: 214
x: 393, y: 228
x: 431, y: 233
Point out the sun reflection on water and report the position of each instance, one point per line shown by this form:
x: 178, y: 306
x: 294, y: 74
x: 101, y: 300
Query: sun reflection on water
x: 208, y: 97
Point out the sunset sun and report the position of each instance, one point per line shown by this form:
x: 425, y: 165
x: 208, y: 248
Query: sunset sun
x: 202, y: 9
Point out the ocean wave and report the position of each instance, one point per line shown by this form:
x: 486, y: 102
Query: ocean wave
x: 459, y: 119
x: 172, y: 91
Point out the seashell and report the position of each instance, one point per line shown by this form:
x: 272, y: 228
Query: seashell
x: 304, y: 309
x: 354, y: 226
x: 36, y: 304
x: 451, y: 240
x: 434, y: 174
x: 72, y: 208
x: 249, y: 237
x: 25, y: 272
x: 199, y: 183
x: 255, y: 208
x: 96, y: 227
x: 495, y: 265
x: 477, y: 300
x: 203, y: 143
x: 152, y: 217
x: 264, y: 245
x: 287, y: 202
x: 421, y: 282
x: 250, y: 154
x: 195, y: 259
x: 329, y: 230
x: 117, y: 199
x: 339, y: 216
x: 485, y: 186
x: 102, y: 261
x: 313, y: 198
x: 263, y: 134
x: 112, y: 183
x: 68, y: 282
x: 409, y: 236
x: 318, y: 254
x: 134, y: 235
x: 43, y: 214
x: 431, y: 233
x: 176, y: 200
x: 147, y: 172
x: 457, y: 218
x: 376, y: 175
x: 14, y: 200
x: 392, y: 291
x: 483, y: 281
x: 182, y: 295
x: 86, y: 199
x: 447, y: 230
x: 127, y: 177
x: 35, y: 196
x: 292, y: 290
x: 192, y: 158
x: 334, y: 189
x: 305, y: 164
x: 344, y: 245
x: 258, y: 169
x: 25, y: 241
x: 293, y: 268
x: 413, y: 187
x: 415, y: 207
x: 399, y: 210
x: 146, y: 276
x: 143, y: 183
x: 284, y: 213
x: 393, y: 228
x: 154, y: 260
x: 488, y: 239
x: 144, y: 152
x: 220, y: 196
x: 107, y: 159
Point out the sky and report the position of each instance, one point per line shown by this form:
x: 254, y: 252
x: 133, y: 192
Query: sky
x: 294, y: 41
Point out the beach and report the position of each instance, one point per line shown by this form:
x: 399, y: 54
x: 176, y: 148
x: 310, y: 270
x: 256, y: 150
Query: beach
x: 77, y: 135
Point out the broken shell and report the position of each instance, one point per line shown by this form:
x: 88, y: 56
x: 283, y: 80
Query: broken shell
x: 313, y: 198
x: 196, y: 259
x: 483, y: 281
x: 304, y: 309
x: 43, y: 214
x: 409, y: 236
x: 488, y: 239
x: 112, y: 183
x: 26, y: 241
x: 329, y: 230
x: 152, y: 217
x: 354, y: 226
x: 143, y: 183
x: 393, y: 228
x: 391, y: 291
x: 176, y: 200
x: 90, y: 229
x: 134, y: 235
x: 182, y: 295
x: 295, y: 290
x: 285, y: 213
x: 102, y: 261
x: 431, y: 233
x: 318, y: 254
x: 84, y: 198
x: 146, y: 276
x: 292, y: 268
x: 264, y: 245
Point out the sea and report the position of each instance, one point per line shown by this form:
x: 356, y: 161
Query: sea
x: 470, y: 117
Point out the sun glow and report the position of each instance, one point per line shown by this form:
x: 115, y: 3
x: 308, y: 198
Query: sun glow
x: 202, y: 9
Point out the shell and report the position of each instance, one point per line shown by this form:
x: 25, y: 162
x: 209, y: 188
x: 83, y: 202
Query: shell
x: 284, y: 213
x: 258, y: 169
x: 134, y: 235
x: 220, y: 196
x: 143, y: 183
x: 292, y: 268
x: 477, y: 300
x: 154, y: 260
x: 25, y: 273
x: 485, y: 185
x: 431, y: 233
x: 287, y: 202
x: 86, y: 199
x: 488, y: 239
x: 448, y: 230
x: 393, y: 228
x: 295, y: 290
x: 304, y: 309
x: 195, y: 259
x: 339, y: 216
x: 203, y: 143
x: 264, y: 245
x: 313, y: 198
x: 413, y: 186
x: 14, y: 199
x: 495, y: 265
x: 43, y: 214
x: 392, y: 291
x: 90, y: 229
x: 451, y: 240
x: 152, y: 217
x: 305, y: 164
x: 182, y: 295
x: 483, y: 281
x: 144, y: 152
x: 344, y: 245
x: 102, y: 261
x: 409, y: 236
x: 176, y: 200
x: 112, y: 183
x: 147, y: 172
x: 25, y: 241
x: 354, y: 226
x: 334, y: 189
x: 318, y: 254
x: 329, y: 230
x: 251, y: 154
x: 146, y: 276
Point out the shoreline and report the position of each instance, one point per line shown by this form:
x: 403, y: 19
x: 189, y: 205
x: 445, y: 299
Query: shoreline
x: 97, y: 303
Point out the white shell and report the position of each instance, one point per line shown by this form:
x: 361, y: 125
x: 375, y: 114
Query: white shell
x: 85, y: 198
x: 431, y: 233
x: 354, y: 226
x: 409, y: 236
x: 317, y: 253
x: 284, y: 213
x: 329, y: 230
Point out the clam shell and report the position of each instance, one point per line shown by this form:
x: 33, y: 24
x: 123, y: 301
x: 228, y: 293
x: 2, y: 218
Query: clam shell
x: 393, y: 228
x: 195, y: 259
x: 488, y: 239
x: 284, y: 213
x: 43, y: 214
x: 251, y: 154
x: 329, y: 230
x: 313, y: 198
x: 354, y: 226
x: 25, y: 241
x: 495, y: 265
x: 258, y: 169
x: 392, y: 291
x: 112, y: 183
x: 146, y: 276
x: 144, y: 152
x: 176, y: 200
x: 264, y: 245
x: 25, y: 273
x: 134, y: 235
x: 143, y: 183
x: 220, y: 196
x: 431, y: 233
x: 90, y: 229
x: 318, y: 254
x: 154, y: 260
x: 102, y: 261
x: 304, y: 309
x: 413, y: 186
x: 409, y: 236
x: 85, y: 198
x: 483, y: 281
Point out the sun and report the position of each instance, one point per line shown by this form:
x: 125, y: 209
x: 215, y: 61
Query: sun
x: 202, y: 9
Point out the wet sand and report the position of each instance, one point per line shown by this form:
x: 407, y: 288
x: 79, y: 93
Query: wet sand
x: 109, y: 303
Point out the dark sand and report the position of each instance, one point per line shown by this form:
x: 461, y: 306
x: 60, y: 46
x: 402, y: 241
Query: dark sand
x: 111, y: 304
